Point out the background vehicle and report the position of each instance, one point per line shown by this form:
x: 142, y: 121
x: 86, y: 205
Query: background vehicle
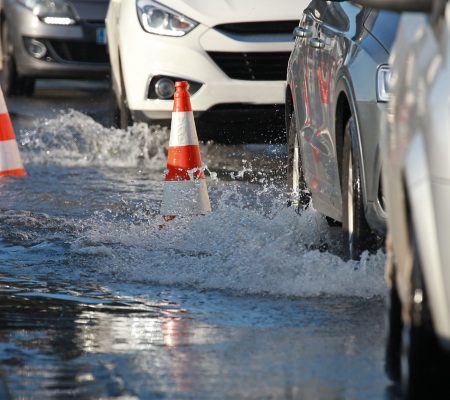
x: 233, y: 53
x: 51, y: 39
x: 335, y: 97
x: 417, y: 189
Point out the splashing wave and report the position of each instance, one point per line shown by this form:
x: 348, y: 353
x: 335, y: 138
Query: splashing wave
x: 75, y: 139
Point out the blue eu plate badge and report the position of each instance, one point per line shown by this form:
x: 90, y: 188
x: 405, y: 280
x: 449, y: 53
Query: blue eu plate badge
x: 101, y: 35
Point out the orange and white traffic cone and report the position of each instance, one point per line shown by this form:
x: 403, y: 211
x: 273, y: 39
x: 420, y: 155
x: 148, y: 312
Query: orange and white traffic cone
x: 10, y: 160
x: 185, y: 191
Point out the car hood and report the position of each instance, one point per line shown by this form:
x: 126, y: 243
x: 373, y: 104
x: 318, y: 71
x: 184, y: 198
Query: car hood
x: 215, y: 12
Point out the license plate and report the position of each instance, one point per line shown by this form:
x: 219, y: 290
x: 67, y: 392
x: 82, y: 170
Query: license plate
x: 101, y: 36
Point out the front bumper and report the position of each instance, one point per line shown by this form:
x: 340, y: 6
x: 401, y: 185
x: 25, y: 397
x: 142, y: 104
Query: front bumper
x: 73, y: 51
x: 190, y: 58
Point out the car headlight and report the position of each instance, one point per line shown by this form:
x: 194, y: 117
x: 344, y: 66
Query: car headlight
x: 383, y: 79
x: 52, y: 12
x: 158, y: 19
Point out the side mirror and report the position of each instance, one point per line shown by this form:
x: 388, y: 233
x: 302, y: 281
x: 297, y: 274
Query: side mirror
x: 399, y: 5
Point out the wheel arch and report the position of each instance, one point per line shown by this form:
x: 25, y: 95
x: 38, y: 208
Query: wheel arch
x: 113, y: 45
x: 288, y: 108
x: 342, y: 115
x: 344, y: 109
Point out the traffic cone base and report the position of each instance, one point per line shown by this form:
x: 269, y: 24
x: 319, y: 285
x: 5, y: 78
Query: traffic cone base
x: 185, y: 198
x: 10, y: 160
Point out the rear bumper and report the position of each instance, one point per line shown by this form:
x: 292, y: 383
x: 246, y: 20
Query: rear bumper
x: 73, y: 51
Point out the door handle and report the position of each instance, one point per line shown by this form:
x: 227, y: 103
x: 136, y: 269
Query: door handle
x: 317, y: 43
x: 301, y: 32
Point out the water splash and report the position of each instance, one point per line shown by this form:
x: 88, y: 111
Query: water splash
x: 250, y: 244
x: 234, y: 249
x: 75, y: 139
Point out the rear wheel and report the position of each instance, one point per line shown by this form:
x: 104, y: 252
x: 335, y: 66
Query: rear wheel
x: 298, y: 193
x: 424, y: 364
x: 357, y: 235
x: 394, y: 338
x: 10, y: 82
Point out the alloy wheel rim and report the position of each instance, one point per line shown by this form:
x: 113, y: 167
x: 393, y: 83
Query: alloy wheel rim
x: 350, y: 215
x: 296, y: 171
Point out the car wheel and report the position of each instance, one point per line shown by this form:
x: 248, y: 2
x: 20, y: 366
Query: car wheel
x: 10, y: 82
x: 394, y: 337
x: 424, y: 365
x: 121, y: 113
x: 25, y: 86
x: 122, y: 117
x: 357, y: 236
x: 298, y: 193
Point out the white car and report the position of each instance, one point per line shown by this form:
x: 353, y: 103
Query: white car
x: 234, y: 54
x: 416, y: 172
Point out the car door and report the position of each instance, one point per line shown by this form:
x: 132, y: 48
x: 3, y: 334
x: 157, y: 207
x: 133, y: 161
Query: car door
x: 307, y: 98
x: 340, y: 29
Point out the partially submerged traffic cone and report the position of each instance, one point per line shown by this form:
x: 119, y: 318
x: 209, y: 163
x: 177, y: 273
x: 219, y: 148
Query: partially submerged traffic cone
x: 10, y: 160
x: 185, y: 191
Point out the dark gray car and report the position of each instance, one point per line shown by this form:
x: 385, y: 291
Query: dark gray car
x: 51, y: 39
x: 336, y: 95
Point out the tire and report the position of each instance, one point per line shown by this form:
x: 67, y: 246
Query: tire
x: 26, y: 86
x: 424, y: 364
x: 121, y: 113
x: 332, y: 222
x: 298, y: 194
x: 357, y: 235
x: 394, y: 338
x: 122, y: 117
x: 10, y: 82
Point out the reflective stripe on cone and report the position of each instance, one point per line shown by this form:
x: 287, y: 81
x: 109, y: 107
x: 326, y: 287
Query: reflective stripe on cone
x: 10, y: 161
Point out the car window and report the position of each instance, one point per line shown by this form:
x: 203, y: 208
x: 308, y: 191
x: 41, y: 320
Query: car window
x: 383, y: 26
x: 340, y: 15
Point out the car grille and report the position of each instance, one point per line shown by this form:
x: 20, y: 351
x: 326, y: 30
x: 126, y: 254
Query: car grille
x: 74, y: 51
x: 253, y: 66
x: 258, y: 28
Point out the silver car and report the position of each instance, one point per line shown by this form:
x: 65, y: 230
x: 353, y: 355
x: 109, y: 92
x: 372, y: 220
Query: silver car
x: 51, y: 39
x: 335, y: 97
x: 416, y: 164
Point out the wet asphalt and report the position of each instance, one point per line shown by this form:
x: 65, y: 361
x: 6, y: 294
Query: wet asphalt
x: 250, y: 302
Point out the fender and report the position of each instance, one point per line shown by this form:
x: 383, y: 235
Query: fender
x: 343, y: 85
x: 111, y: 24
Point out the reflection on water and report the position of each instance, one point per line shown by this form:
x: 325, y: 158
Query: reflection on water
x: 63, y: 342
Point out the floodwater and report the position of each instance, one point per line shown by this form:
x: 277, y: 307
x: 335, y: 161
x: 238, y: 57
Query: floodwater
x: 97, y: 302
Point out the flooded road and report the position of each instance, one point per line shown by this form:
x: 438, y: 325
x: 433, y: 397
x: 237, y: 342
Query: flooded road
x: 98, y: 302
